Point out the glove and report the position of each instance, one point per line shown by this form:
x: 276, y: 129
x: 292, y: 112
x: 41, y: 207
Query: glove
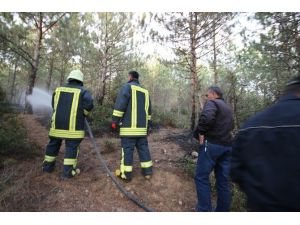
x: 114, y: 126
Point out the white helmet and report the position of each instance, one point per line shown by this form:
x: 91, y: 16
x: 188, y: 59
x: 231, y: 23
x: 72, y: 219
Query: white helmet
x: 76, y: 75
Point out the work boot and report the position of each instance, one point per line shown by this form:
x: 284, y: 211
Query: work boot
x: 119, y: 175
x: 70, y: 174
x: 48, y: 167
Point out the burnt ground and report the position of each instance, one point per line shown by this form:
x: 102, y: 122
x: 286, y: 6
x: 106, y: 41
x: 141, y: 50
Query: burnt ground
x: 170, y: 189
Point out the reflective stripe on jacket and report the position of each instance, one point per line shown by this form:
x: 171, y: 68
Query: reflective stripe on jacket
x: 71, y: 103
x: 133, y: 110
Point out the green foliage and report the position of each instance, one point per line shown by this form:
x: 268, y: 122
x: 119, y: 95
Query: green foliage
x: 250, y: 104
x: 280, y: 41
x: 188, y: 164
x: 101, y: 118
x: 172, y: 118
x: 239, y: 200
x: 13, y: 140
x: 105, y: 46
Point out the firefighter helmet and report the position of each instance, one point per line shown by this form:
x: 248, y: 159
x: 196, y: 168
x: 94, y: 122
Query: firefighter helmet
x: 76, y: 75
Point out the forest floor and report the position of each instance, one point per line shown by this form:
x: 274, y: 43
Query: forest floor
x: 171, y: 188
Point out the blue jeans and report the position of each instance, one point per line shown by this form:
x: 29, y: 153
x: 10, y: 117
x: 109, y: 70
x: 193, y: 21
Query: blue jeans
x: 217, y: 157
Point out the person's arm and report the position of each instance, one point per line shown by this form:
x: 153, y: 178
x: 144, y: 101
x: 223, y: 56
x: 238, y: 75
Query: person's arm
x: 149, y: 111
x: 149, y: 118
x: 52, y: 100
x: 121, y: 103
x: 207, y: 117
x: 87, y: 101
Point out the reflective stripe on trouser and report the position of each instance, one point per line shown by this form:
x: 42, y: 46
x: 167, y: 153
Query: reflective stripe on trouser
x: 147, y: 167
x: 70, y: 159
x: 144, y: 154
x: 52, y: 150
x: 128, y: 145
x: 126, y: 170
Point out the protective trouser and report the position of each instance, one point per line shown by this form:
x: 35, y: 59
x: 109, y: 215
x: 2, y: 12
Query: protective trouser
x: 128, y: 144
x: 70, y: 159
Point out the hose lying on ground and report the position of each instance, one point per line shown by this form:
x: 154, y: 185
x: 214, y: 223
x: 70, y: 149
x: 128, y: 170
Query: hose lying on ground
x: 114, y: 179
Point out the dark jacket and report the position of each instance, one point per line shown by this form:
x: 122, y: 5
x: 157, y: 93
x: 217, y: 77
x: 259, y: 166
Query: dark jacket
x: 266, y: 157
x: 70, y: 103
x: 216, y: 122
x: 132, y: 110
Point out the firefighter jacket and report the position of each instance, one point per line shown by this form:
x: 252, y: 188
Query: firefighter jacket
x: 132, y: 110
x: 70, y: 103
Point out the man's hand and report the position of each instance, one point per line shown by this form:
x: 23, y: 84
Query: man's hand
x: 201, y: 139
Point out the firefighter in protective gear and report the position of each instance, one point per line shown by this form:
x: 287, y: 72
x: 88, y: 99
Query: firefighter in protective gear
x: 71, y: 103
x: 132, y: 111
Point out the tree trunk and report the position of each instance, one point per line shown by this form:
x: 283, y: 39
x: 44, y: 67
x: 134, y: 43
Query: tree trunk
x: 297, y: 40
x: 216, y: 80
x: 36, y: 56
x: 35, y: 64
x: 50, y: 73
x: 8, y: 77
x: 102, y: 86
x: 12, y: 89
x: 103, y: 75
x: 62, y: 76
x: 102, y: 93
x: 193, y: 68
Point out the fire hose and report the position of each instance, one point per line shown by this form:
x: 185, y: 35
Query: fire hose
x: 111, y: 175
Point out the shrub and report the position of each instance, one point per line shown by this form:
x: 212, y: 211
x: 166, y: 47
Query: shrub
x: 239, y: 200
x: 188, y: 164
x: 109, y: 145
x: 101, y: 119
x: 170, y: 118
x: 13, y: 137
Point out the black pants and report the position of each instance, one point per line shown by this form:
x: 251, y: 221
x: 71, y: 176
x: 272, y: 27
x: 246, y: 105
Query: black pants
x: 70, y: 159
x: 128, y: 144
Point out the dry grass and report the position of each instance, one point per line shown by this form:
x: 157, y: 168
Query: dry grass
x: 14, y: 181
x: 109, y: 145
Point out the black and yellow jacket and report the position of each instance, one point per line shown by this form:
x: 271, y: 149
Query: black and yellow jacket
x: 132, y: 110
x: 70, y: 103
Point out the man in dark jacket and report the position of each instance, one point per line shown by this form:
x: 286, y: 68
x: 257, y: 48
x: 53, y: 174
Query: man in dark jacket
x: 132, y: 111
x: 70, y: 103
x: 266, y: 153
x: 215, y: 125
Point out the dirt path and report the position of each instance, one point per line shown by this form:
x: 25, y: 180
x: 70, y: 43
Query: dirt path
x: 170, y: 189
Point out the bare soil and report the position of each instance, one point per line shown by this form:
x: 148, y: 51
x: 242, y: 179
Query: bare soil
x: 170, y: 189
